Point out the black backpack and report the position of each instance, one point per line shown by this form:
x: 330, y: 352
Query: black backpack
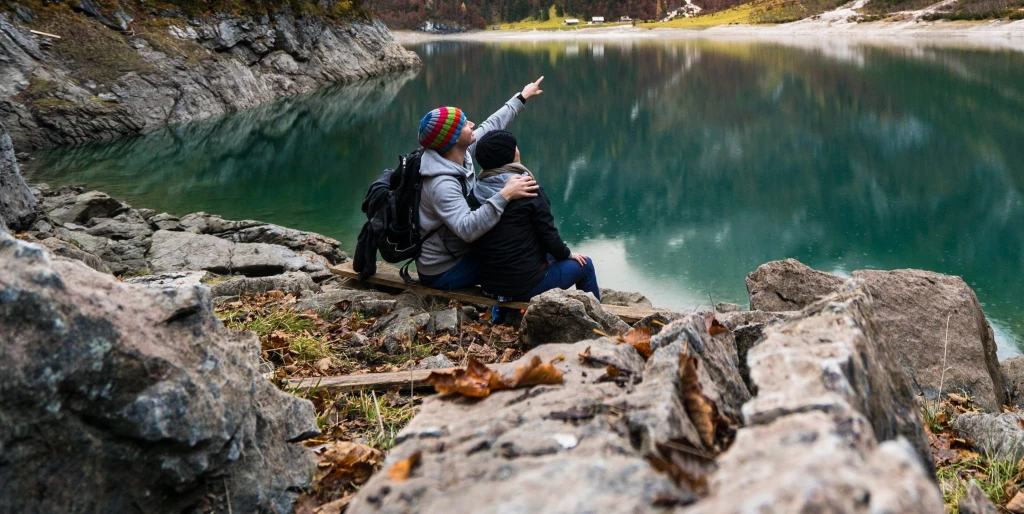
x: 392, y: 208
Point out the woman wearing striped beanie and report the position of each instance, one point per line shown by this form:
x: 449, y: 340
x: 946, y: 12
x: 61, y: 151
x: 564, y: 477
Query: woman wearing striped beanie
x: 449, y: 140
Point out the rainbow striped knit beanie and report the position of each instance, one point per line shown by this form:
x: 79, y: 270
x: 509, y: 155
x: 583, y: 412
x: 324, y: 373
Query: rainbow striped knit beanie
x: 440, y: 128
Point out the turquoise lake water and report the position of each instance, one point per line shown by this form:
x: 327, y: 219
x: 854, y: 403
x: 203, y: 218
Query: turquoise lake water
x: 679, y: 166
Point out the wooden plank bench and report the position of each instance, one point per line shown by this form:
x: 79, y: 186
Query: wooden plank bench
x: 387, y: 276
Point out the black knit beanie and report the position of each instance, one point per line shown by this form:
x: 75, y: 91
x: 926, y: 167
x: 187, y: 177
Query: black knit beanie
x: 496, y: 149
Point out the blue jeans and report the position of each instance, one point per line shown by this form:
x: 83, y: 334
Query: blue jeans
x: 560, y: 275
x: 464, y: 274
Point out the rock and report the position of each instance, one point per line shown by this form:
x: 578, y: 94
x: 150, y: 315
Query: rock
x: 173, y: 280
x: 833, y: 407
x: 912, y: 308
x: 448, y: 320
x: 136, y: 387
x: 833, y: 358
x: 70, y: 251
x: 625, y: 299
x: 724, y: 307
x: 296, y: 240
x: 176, y: 251
x: 553, y: 441
x: 17, y: 204
x: 87, y: 206
x: 185, y: 71
x: 788, y: 286
x: 558, y: 316
x: 439, y: 361
x: 656, y: 321
x: 127, y: 257
x: 164, y: 221
x: 747, y: 328
x: 818, y: 461
x: 128, y: 225
x: 292, y: 282
x: 998, y: 435
x: 1013, y: 374
x: 976, y: 502
x: 336, y: 303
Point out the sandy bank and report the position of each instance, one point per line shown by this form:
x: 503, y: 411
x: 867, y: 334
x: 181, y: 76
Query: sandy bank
x: 1001, y: 34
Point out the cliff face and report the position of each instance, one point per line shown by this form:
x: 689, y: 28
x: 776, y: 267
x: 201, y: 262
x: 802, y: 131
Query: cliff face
x: 116, y: 72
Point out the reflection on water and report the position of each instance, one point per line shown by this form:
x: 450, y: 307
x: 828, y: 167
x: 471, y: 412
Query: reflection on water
x: 679, y: 166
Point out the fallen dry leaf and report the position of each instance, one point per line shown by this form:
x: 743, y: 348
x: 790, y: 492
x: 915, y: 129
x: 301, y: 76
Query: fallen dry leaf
x: 478, y: 381
x: 639, y: 338
x: 400, y: 471
x: 346, y: 463
x: 956, y: 398
x: 1016, y: 505
x: 714, y: 326
x: 702, y: 411
x: 685, y: 464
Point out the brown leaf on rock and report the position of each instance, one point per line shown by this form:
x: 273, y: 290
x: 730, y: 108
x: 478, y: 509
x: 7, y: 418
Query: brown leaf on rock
x: 714, y: 326
x: 478, y: 381
x: 702, y: 412
x: 473, y: 381
x: 957, y: 399
x: 345, y: 463
x: 400, y: 471
x: 536, y: 372
x: 277, y: 339
x: 639, y: 338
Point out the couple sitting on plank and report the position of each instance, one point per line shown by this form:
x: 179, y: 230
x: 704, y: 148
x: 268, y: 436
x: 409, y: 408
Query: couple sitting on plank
x: 508, y: 244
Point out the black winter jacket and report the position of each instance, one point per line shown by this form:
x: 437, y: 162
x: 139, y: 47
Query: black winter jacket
x: 513, y: 254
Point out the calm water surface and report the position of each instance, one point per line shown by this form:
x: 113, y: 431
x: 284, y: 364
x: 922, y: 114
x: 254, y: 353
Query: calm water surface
x: 678, y: 166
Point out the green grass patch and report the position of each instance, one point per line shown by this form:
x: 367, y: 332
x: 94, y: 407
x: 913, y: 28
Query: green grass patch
x: 361, y: 407
x: 96, y: 52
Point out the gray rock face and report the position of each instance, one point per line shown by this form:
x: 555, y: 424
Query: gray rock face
x: 912, y: 308
x: 834, y: 358
x: 291, y: 282
x: 999, y: 435
x: 1013, y: 373
x: 86, y: 206
x: 560, y: 316
x: 448, y: 320
x: 336, y: 303
x: 435, y: 362
x: 171, y: 280
x: 548, y: 449
x: 834, y: 427
x: 122, y: 257
x: 17, y: 205
x: 788, y: 285
x: 975, y: 502
x: 148, y: 398
x: 176, y: 251
x: 398, y: 329
x: 196, y: 68
x: 69, y: 251
x: 624, y: 298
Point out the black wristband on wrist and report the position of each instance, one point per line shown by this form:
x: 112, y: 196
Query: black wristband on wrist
x: 521, y: 97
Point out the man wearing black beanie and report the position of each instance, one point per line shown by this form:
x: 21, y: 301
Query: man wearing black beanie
x: 523, y: 255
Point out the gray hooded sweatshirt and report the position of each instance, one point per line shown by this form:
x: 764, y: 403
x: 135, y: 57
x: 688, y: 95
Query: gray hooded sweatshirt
x: 444, y: 208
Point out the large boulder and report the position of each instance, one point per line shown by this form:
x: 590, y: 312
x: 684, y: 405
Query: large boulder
x: 976, y: 502
x: 250, y: 231
x: 912, y: 308
x: 1000, y: 436
x: 788, y: 285
x: 934, y: 321
x: 117, y: 395
x: 1013, y: 376
x: 548, y: 449
x: 566, y: 316
x: 833, y: 357
x: 177, y: 251
x: 292, y: 282
x: 17, y: 204
x: 84, y: 207
x: 122, y: 257
x: 834, y: 427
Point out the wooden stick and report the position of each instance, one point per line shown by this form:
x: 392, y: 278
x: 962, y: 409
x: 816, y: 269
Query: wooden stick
x: 365, y: 382
x: 44, y: 34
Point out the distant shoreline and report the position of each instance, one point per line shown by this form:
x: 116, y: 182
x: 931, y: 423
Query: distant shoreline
x: 1003, y: 34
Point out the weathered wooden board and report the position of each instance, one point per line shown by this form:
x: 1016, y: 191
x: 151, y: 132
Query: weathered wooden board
x: 387, y: 275
x: 365, y: 382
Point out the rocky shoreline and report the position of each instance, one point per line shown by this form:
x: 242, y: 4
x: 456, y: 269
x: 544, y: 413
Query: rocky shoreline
x: 829, y: 394
x: 116, y: 71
